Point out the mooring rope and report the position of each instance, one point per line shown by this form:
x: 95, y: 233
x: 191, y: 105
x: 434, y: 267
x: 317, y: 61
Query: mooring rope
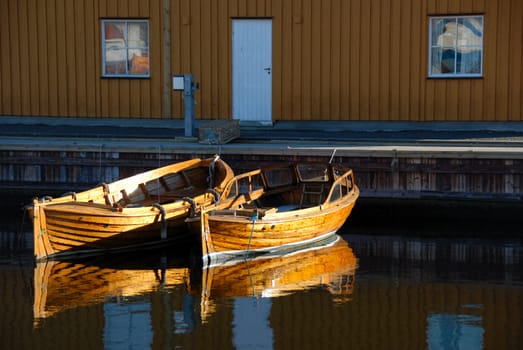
x: 163, y: 229
x: 332, y: 155
x: 254, y: 218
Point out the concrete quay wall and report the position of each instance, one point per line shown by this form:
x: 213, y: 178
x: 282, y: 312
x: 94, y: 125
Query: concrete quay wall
x: 382, y: 171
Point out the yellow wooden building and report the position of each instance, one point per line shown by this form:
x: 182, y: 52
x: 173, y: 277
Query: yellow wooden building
x: 264, y: 60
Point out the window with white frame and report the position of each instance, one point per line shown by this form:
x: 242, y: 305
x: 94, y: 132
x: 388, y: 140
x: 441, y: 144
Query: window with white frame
x: 125, y: 48
x: 456, y: 47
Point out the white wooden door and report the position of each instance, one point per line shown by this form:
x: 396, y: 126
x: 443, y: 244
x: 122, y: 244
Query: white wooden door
x: 252, y: 70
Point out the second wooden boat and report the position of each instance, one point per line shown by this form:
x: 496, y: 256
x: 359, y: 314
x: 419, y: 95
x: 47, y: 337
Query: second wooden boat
x: 276, y: 209
x: 130, y: 213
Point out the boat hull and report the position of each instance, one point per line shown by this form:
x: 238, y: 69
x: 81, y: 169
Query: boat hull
x: 274, y: 209
x: 64, y: 231
x: 231, y: 236
x: 143, y: 210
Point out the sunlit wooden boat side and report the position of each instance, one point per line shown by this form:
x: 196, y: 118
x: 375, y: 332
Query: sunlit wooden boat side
x: 127, y: 213
x: 308, y: 211
x: 60, y: 286
x: 331, y: 267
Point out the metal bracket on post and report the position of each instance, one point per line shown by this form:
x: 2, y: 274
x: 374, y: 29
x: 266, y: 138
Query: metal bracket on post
x: 186, y: 84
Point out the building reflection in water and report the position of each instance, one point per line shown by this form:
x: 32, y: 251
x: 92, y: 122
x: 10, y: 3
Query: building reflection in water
x: 463, y: 291
x: 252, y: 314
x: 454, y: 331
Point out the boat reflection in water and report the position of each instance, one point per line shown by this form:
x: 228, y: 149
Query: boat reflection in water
x: 66, y: 285
x: 63, y: 285
x: 331, y: 266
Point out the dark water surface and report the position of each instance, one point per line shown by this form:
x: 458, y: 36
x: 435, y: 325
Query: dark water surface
x: 378, y: 287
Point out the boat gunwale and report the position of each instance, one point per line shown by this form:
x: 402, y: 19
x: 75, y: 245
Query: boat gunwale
x: 117, y: 186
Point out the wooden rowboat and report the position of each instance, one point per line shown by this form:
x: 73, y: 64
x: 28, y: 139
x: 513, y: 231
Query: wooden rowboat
x: 130, y: 213
x: 275, y: 209
x: 331, y: 267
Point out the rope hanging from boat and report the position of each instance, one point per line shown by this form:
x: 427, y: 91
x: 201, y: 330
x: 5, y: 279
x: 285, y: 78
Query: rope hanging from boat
x: 191, y: 201
x: 163, y: 230
x: 212, y: 170
x: 215, y: 194
x: 253, y: 218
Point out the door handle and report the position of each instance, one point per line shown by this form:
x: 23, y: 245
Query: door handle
x: 268, y: 70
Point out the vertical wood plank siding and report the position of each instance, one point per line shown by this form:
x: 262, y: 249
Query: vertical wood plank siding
x: 50, y: 58
x: 332, y: 59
